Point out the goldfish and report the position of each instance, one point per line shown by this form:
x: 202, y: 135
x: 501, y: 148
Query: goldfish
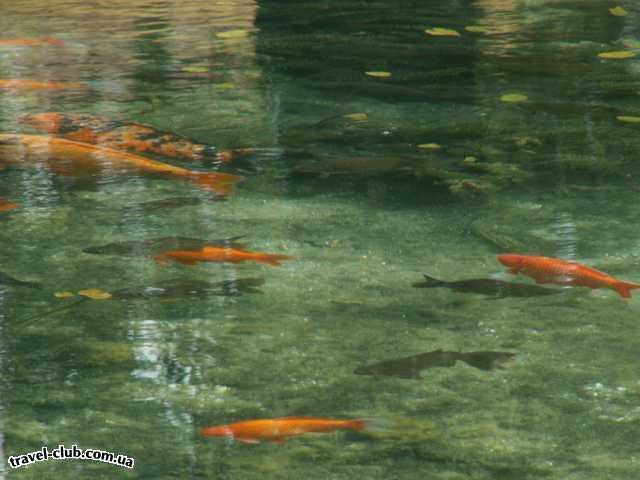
x: 277, y: 429
x: 24, y: 84
x: 66, y: 157
x: 563, y: 272
x: 135, y: 137
x: 30, y: 42
x: 6, y: 205
x: 219, y: 254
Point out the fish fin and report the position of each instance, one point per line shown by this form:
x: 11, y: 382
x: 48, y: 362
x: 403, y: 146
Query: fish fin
x: 513, y: 270
x: 248, y: 440
x: 429, y: 283
x: 624, y: 288
x: 220, y: 183
x: 274, y: 260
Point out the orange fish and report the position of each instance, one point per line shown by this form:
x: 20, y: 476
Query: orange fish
x: 24, y: 84
x: 563, y: 272
x: 277, y: 429
x: 68, y: 157
x: 219, y: 254
x: 6, y: 205
x: 135, y: 137
x: 30, y: 42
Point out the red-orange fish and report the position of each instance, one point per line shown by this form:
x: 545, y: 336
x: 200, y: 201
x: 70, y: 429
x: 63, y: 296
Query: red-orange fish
x: 563, y: 272
x: 68, y: 157
x: 6, y: 205
x: 219, y: 254
x: 277, y: 430
x: 134, y: 137
x: 24, y: 84
x: 30, y: 42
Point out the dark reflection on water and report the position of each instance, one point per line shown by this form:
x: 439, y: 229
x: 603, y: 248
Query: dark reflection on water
x: 372, y: 152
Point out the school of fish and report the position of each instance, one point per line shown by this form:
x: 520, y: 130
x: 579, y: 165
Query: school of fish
x: 71, y: 144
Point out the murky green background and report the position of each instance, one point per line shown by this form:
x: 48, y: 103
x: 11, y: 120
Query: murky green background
x: 365, y: 211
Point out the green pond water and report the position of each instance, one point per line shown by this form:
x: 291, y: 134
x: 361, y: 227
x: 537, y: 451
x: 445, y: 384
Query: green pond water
x: 369, y: 181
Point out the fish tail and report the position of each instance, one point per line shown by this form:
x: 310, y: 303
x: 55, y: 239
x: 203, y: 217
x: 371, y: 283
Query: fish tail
x: 161, y: 259
x: 355, y: 424
x: 220, y: 183
x: 429, y: 283
x: 272, y: 259
x: 624, y: 288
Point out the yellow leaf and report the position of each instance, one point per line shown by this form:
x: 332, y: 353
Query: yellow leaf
x: 617, y: 55
x: 357, y: 117
x: 514, y: 98
x: 628, y: 119
x: 476, y: 29
x: 441, y: 32
x: 379, y: 74
x: 618, y: 11
x: 430, y: 146
x: 95, y: 293
x: 470, y: 160
x: 195, y: 69
x: 63, y: 294
x: 233, y: 34
x: 226, y: 86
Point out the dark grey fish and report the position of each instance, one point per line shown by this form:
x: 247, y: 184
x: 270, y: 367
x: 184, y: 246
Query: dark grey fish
x: 155, y: 246
x: 169, y: 203
x: 410, y: 367
x: 177, y: 288
x: 488, y: 286
x: 10, y: 281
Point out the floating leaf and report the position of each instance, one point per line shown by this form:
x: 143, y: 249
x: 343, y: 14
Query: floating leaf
x: 476, y: 29
x: 617, y: 55
x: 226, y: 86
x: 430, y: 146
x: 233, y: 34
x: 470, y: 160
x: 441, y: 32
x: 195, y: 69
x: 63, y: 294
x: 379, y: 74
x: 357, y: 117
x: 95, y: 293
x: 628, y: 119
x: 618, y: 11
x: 514, y: 98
